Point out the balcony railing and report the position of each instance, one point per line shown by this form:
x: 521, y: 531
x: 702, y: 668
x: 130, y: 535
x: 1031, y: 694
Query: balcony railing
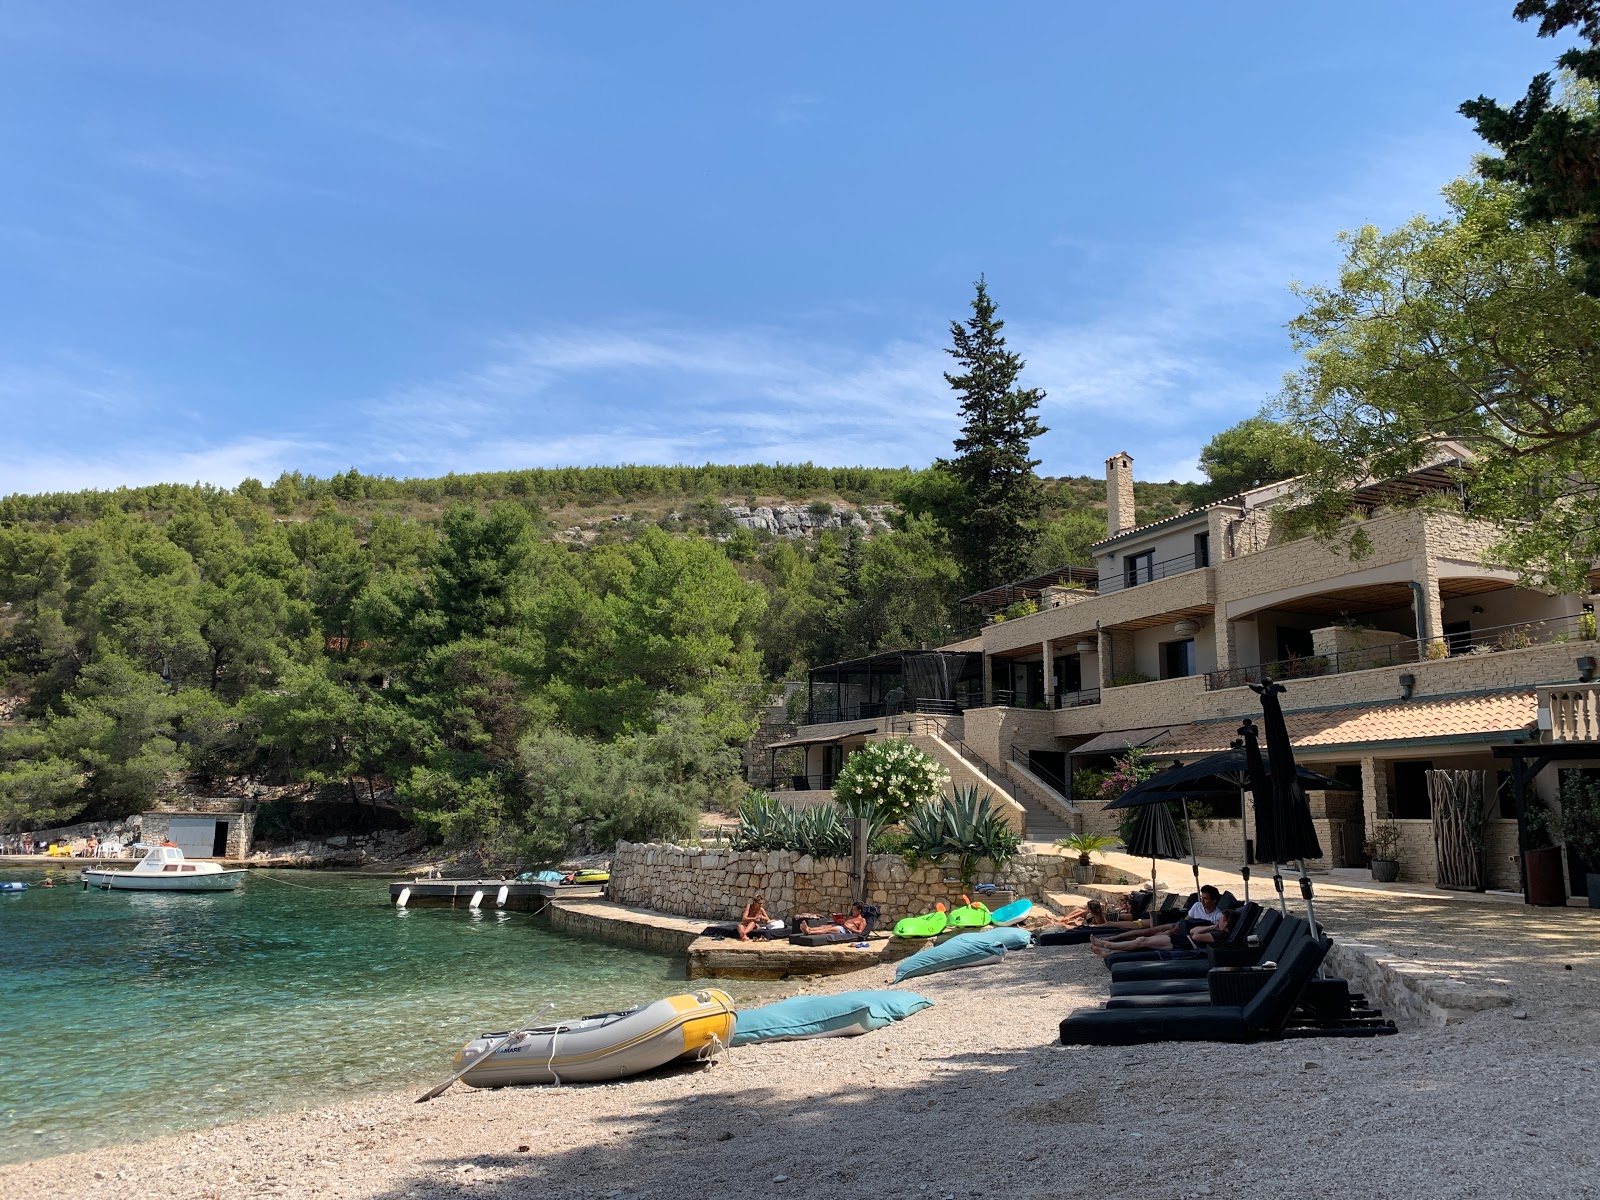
x: 1520, y: 636
x: 1135, y: 573
x: 1006, y: 698
x: 824, y: 714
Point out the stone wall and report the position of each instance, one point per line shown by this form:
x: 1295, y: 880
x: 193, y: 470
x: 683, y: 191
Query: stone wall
x: 716, y: 884
x: 241, y: 826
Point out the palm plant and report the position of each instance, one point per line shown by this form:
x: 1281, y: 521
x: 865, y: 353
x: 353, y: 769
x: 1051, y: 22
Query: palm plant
x: 1085, y: 844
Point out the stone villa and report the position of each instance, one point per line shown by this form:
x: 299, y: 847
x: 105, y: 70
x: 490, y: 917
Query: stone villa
x: 1420, y: 654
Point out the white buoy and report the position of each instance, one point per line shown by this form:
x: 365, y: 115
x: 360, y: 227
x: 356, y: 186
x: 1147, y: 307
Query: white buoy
x: 500, y: 896
x: 477, y: 899
x: 405, y: 894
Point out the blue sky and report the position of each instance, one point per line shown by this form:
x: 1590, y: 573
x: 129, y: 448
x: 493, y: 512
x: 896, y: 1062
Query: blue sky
x: 416, y: 238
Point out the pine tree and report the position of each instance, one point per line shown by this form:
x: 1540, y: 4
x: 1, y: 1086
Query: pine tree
x: 995, y: 520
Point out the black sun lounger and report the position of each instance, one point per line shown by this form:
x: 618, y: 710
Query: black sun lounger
x: 1273, y: 932
x: 1264, y: 1017
x: 1242, y: 927
x: 869, y: 911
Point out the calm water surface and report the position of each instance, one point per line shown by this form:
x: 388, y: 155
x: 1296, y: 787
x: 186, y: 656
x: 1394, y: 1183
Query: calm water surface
x: 126, y: 1014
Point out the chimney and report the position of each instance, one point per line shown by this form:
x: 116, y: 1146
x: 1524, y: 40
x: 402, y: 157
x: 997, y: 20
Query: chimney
x: 1119, y: 493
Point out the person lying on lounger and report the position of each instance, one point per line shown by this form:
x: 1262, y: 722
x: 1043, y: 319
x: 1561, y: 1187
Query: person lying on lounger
x: 855, y: 924
x: 1093, y: 914
x: 1180, y: 935
x: 755, y: 917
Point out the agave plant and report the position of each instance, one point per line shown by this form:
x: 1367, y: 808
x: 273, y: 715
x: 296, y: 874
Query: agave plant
x: 767, y: 824
x: 964, y: 825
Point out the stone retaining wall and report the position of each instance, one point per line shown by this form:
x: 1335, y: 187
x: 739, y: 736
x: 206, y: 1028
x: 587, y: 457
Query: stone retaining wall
x: 716, y: 884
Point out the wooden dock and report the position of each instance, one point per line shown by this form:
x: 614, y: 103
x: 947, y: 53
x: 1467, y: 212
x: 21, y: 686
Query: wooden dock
x: 458, y: 893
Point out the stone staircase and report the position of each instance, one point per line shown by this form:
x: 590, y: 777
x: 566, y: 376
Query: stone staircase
x: 1038, y: 819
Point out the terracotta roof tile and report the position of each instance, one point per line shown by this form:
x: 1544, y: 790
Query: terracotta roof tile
x: 1486, y: 714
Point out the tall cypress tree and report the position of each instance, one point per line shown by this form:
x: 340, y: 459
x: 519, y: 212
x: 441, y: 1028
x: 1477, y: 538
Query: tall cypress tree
x: 995, y: 521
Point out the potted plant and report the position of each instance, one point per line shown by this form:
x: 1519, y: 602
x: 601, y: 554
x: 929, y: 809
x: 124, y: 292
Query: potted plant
x: 1579, y: 826
x: 1083, y: 845
x: 1382, y: 849
x: 1541, y: 861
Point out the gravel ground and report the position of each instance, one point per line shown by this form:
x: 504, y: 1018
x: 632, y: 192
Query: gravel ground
x: 972, y: 1098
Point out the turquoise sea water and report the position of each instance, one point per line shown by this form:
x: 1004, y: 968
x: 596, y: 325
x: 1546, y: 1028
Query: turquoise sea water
x: 126, y: 1014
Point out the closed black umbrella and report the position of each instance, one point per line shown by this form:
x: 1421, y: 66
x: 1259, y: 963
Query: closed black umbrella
x: 1225, y: 773
x: 1155, y: 836
x: 1260, y: 800
x: 1294, y: 833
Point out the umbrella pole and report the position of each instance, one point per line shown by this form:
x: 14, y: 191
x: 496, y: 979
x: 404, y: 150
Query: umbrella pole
x: 1194, y: 863
x: 1152, y: 909
x: 1244, y: 847
x: 1311, y: 908
x: 1277, y: 882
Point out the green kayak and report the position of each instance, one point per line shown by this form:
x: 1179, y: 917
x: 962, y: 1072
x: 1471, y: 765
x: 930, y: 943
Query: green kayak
x: 974, y: 915
x: 927, y: 925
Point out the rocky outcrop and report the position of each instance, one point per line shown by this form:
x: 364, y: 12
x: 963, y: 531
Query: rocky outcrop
x: 795, y: 521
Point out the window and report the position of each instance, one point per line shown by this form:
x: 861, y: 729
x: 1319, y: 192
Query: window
x: 1139, y: 568
x: 1177, y: 659
x: 1202, y: 549
x: 1409, y: 800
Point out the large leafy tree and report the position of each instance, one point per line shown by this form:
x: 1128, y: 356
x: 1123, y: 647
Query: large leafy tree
x: 1549, y: 148
x: 1467, y: 328
x: 1257, y: 450
x: 994, y: 520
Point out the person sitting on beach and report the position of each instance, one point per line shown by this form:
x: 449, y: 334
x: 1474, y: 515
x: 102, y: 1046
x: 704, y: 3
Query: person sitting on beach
x: 755, y: 917
x: 1179, y: 935
x: 855, y: 923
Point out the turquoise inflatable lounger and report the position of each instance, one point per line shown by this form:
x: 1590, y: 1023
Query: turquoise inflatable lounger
x: 841, y: 1015
x: 966, y: 950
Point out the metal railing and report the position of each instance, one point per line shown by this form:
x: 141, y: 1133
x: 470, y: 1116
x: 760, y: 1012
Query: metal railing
x: 1141, y: 573
x: 828, y: 714
x: 1005, y: 698
x: 1052, y: 778
x: 1522, y: 635
x: 803, y: 783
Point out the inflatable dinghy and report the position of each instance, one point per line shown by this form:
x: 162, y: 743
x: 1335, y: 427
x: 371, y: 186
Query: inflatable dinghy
x: 607, y: 1046
x: 13, y: 887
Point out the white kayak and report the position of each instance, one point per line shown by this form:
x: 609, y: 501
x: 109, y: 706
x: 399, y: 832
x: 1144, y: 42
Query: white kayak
x: 609, y: 1046
x: 165, y: 869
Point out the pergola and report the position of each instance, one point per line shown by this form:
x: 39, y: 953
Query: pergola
x: 938, y: 681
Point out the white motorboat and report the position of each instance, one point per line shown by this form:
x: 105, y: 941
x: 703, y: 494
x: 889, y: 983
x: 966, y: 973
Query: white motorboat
x: 164, y: 869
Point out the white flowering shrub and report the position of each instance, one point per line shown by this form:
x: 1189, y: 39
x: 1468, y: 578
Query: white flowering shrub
x: 886, y: 780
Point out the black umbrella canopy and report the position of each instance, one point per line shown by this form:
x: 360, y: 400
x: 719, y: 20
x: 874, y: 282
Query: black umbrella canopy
x: 1220, y: 774
x: 1292, y: 836
x: 1155, y: 836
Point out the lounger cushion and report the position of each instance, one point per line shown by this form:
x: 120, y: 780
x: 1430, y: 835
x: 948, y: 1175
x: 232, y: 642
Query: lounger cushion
x: 963, y: 950
x: 1160, y: 987
x: 824, y: 939
x: 1172, y: 1000
x: 843, y: 1014
x: 1135, y: 1026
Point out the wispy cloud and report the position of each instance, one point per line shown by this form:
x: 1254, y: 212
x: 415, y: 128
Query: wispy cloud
x: 223, y: 464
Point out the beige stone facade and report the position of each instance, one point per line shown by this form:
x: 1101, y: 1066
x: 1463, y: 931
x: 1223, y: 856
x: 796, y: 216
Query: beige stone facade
x: 1191, y: 609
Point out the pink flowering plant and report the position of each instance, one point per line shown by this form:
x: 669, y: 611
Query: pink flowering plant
x: 1132, y: 768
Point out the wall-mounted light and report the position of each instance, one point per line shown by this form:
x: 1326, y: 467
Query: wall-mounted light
x: 1477, y: 610
x: 1408, y: 684
x: 1186, y: 628
x: 1085, y: 646
x: 1586, y: 665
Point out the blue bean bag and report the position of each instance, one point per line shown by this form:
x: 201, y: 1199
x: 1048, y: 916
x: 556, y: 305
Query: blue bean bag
x: 964, y: 950
x: 844, y: 1014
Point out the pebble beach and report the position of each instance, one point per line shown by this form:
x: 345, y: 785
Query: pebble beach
x: 973, y: 1097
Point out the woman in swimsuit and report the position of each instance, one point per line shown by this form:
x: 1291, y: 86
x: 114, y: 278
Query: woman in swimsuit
x: 755, y: 917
